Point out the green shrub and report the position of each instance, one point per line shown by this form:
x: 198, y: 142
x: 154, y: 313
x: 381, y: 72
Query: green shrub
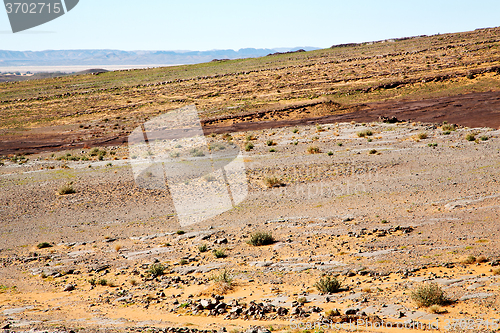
x: 470, y: 137
x: 365, y: 133
x: 195, y: 152
x: 270, y: 142
x: 203, y: 248
x: 156, y: 270
x: 328, y: 285
x: 219, y: 253
x: 44, y: 245
x: 249, y: 146
x: 428, y: 294
x: 261, y: 238
x: 372, y: 151
x: 484, y: 138
x: 330, y: 153
x: 102, y: 282
x: 295, y: 130
x: 272, y: 150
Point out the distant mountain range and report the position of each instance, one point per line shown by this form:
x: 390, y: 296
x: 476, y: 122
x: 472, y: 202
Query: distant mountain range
x: 117, y: 57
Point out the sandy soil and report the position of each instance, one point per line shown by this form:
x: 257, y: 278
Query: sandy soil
x: 406, y: 205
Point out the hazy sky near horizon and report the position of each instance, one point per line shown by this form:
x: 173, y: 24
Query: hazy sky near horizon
x: 218, y: 24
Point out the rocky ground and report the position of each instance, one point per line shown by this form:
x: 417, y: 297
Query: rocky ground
x: 383, y: 207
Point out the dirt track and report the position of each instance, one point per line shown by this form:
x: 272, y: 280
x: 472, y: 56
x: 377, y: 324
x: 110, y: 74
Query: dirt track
x: 471, y: 110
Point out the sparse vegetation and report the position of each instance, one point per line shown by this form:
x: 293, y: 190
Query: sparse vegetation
x: 195, y: 152
x: 330, y: 153
x: 272, y: 182
x: 313, y: 150
x: 448, y: 128
x: 156, y: 270
x: 470, y: 259
x: 66, y: 189
x: 219, y: 253
x: 261, y: 238
x: 180, y: 232
x: 295, y: 130
x: 365, y: 133
x: 470, y: 137
x: 270, y: 142
x: 422, y: 135
x: 44, y: 245
x: 249, y: 146
x: 428, y: 294
x: 203, y: 248
x: 328, y: 285
x: 372, y: 151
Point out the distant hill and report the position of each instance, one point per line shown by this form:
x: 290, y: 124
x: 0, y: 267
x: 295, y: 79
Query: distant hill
x: 117, y: 57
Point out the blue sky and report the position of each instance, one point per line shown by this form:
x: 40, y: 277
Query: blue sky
x: 206, y: 25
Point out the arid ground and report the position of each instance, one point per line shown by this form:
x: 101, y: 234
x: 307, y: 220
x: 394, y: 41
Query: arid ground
x: 375, y: 165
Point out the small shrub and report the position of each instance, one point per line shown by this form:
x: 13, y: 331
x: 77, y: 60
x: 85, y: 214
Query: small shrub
x: 365, y: 133
x: 330, y: 153
x: 219, y: 253
x: 481, y: 259
x: 339, y: 144
x: 44, y: 245
x: 470, y: 137
x: 224, y: 276
x: 302, y: 300
x: 203, y: 248
x: 92, y: 282
x: 367, y: 289
x: 175, y: 154
x: 180, y: 232
x: 422, y: 136
x: 196, y: 152
x: 433, y: 145
x: 118, y: 247
x: 183, y: 262
x: 223, y: 283
x: 428, y: 294
x: 295, y: 143
x: 66, y: 189
x: 470, y: 76
x: 448, y: 128
x: 484, y: 138
x: 446, y: 133
x: 270, y: 142
x: 469, y: 260
x: 295, y: 130
x: 261, y: 238
x: 249, y: 146
x: 372, y: 151
x: 436, y: 309
x: 102, y: 282
x: 133, y: 282
x: 384, y: 221
x: 156, y: 270
x: 272, y: 150
x: 328, y: 285
x: 272, y: 182
x: 313, y: 150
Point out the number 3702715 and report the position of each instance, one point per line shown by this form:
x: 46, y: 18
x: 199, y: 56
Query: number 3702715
x: 32, y: 7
